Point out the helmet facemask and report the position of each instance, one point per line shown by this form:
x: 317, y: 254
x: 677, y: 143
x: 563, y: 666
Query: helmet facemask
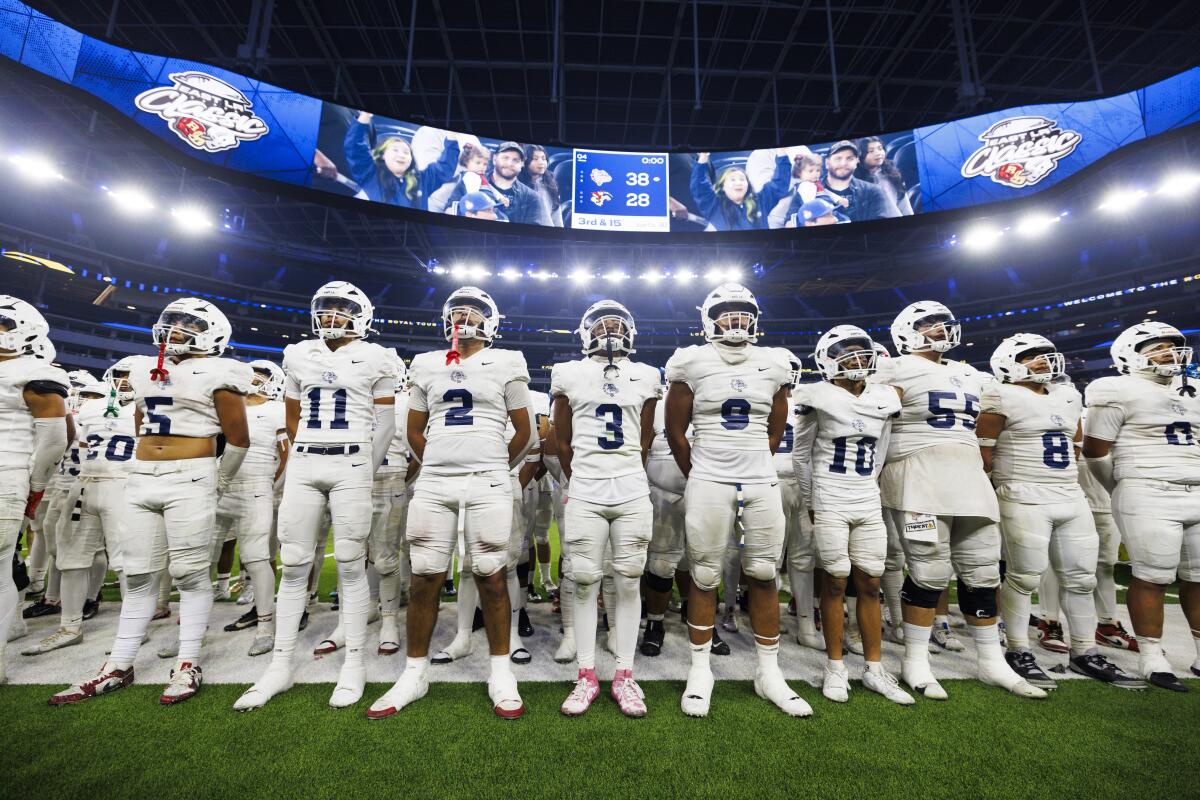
x: 852, y: 359
x: 178, y: 332
x: 941, y: 333
x: 1040, y: 366
x: 336, y: 317
x: 1166, y: 362
x: 733, y: 323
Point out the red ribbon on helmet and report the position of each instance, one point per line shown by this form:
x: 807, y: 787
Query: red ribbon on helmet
x: 452, y: 356
x: 160, y: 373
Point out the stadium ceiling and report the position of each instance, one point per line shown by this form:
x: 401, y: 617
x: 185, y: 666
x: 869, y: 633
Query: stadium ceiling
x: 649, y: 74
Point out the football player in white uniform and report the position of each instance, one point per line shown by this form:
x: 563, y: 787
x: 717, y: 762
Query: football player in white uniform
x: 247, y: 509
x: 1028, y: 430
x: 800, y: 547
x: 735, y: 395
x: 460, y: 401
x: 842, y: 423
x: 184, y: 400
x: 1141, y: 444
x: 666, y: 548
x: 604, y: 421
x: 339, y: 398
x: 940, y: 501
x: 34, y: 431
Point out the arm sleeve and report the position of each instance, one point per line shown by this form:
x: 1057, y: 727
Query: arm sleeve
x: 804, y: 434
x: 231, y: 461
x: 385, y: 386
x: 381, y: 438
x: 49, y: 444
x: 357, y: 148
x: 882, y: 447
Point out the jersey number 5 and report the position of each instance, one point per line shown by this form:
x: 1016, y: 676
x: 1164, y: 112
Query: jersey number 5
x: 161, y: 420
x: 942, y: 417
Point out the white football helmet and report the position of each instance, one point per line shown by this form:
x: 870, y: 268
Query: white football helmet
x: 80, y: 377
x: 42, y: 349
x: 835, y: 359
x: 736, y: 306
x: 20, y: 325
x: 881, y: 350
x: 793, y: 369
x: 343, y: 302
x: 268, y: 378
x: 1128, y: 346
x: 203, y: 326
x: 931, y: 316
x: 93, y: 387
x: 1006, y: 361
x: 601, y: 315
x: 117, y: 377
x: 481, y: 316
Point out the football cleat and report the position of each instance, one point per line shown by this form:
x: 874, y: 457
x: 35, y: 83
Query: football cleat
x: 524, y: 626
x: 852, y: 640
x: 168, y: 650
x: 335, y: 642
x: 719, y: 646
x: 531, y: 594
x: 55, y: 641
x: 448, y: 590
x: 411, y: 687
x: 1115, y: 635
x: 1050, y: 636
x: 17, y: 629
x: 807, y: 636
x: 565, y: 653
x: 652, y: 639
x: 221, y: 595
x: 920, y: 678
x: 884, y: 683
x: 276, y: 680
x: 40, y: 609
x: 90, y: 608
x: 261, y: 646
x: 997, y: 672
x: 895, y: 632
x: 304, y: 620
x: 162, y: 612
x: 629, y: 696
x: 246, y: 597
x: 770, y: 685
x: 389, y: 635
x: 1167, y: 680
x: 506, y: 700
x: 108, y: 679
x: 1094, y: 665
x: 185, y: 682
x: 1025, y: 665
x: 520, y: 656
x: 697, y: 695
x: 836, y: 684
x: 1196, y: 668
x: 944, y: 638
x: 730, y: 622
x: 587, y: 689
x: 247, y: 620
x: 352, y: 679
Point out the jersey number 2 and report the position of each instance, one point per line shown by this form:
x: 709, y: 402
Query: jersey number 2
x: 462, y: 414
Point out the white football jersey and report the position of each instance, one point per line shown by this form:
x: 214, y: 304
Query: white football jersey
x: 940, y: 402
x: 337, y: 389
x: 69, y: 466
x: 784, y: 466
x: 183, y: 405
x: 1097, y: 496
x: 539, y: 406
x: 730, y: 408
x: 1153, y: 428
x: 111, y: 441
x: 397, y: 454
x: 1037, y: 443
x: 467, y: 407
x: 606, y: 415
x: 16, y: 423
x: 838, y: 440
x: 265, y: 421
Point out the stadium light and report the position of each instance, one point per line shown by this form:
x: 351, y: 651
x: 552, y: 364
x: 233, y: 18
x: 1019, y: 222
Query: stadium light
x: 458, y: 273
x: 477, y: 273
x: 733, y: 275
x: 684, y: 276
x: 1035, y: 224
x: 131, y: 200
x: 580, y: 277
x: 1179, y: 184
x: 509, y: 274
x: 715, y: 276
x: 1118, y: 200
x: 191, y: 219
x: 35, y: 168
x: 615, y: 276
x: 542, y: 275
x: 652, y: 277
x: 981, y: 238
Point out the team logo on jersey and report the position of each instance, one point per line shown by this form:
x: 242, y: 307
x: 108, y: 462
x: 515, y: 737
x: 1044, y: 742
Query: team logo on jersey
x: 204, y: 111
x: 329, y: 376
x: 1178, y: 409
x: 738, y: 385
x: 458, y: 376
x: 956, y: 381
x: 610, y: 389
x: 1057, y: 419
x: 858, y: 425
x: 1020, y: 151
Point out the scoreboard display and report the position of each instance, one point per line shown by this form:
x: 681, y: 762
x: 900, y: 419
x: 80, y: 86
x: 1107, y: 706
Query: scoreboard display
x: 620, y: 191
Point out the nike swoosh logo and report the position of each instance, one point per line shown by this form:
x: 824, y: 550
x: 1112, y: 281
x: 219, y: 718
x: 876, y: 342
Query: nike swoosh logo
x: 881, y: 408
x: 763, y: 369
x: 486, y: 363
x: 494, y: 485
x: 258, y: 496
x: 197, y: 479
x: 358, y: 465
x: 352, y: 361
x: 631, y: 380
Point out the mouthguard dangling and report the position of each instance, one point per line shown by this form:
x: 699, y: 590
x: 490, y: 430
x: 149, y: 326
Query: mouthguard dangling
x: 452, y: 357
x: 159, y: 373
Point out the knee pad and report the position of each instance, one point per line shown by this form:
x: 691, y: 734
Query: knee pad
x: 658, y: 583
x: 425, y: 561
x: 1024, y: 582
x: 707, y: 574
x: 387, y: 564
x: 919, y: 596
x: 977, y: 601
x: 195, y: 581
x: 1079, y: 582
x: 349, y: 550
x: 839, y: 568
x: 894, y: 561
x: 662, y: 567
x: 137, y: 583
x: 759, y: 569
x: 294, y: 555
x: 486, y: 564
x: 983, y: 576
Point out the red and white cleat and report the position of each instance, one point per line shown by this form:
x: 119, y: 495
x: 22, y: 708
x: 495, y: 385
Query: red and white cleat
x: 185, y: 682
x: 587, y: 689
x: 1115, y: 635
x: 411, y: 687
x: 1050, y: 637
x: 629, y: 696
x: 108, y: 679
x: 506, y: 700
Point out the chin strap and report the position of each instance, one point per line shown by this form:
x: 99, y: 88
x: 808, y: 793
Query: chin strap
x: 112, y: 410
x: 452, y: 357
x: 610, y: 371
x: 159, y: 373
x: 1190, y: 371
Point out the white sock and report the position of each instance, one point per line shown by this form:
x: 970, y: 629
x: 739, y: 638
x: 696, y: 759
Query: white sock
x: 566, y: 601
x: 388, y: 593
x: 355, y: 601
x: 53, y: 577
x: 262, y: 575
x: 586, y: 603
x: 875, y: 667
x: 733, y: 574
x: 500, y: 666
x: 802, y: 592
x: 835, y: 665
x: 223, y: 581
x: 418, y: 665
x: 195, y: 605
x: 891, y: 583
x: 290, y: 605
x: 544, y: 571
x: 1080, y: 611
x: 1015, y: 607
x: 987, y: 642
x: 468, y: 599
x: 702, y: 654
x: 1048, y: 595
x: 373, y: 577
x: 1105, y: 595
x: 514, y: 607
x: 96, y: 578
x: 74, y: 585
x: 610, y: 599
x: 916, y: 643
x: 137, y: 607
x: 768, y: 655
x: 628, y: 613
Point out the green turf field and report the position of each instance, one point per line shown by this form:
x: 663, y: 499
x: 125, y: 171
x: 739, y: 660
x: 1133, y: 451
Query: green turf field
x: 1087, y: 741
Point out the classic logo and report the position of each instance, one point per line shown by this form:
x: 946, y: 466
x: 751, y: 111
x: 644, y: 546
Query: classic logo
x: 737, y: 384
x: 858, y: 425
x: 1057, y: 420
x: 458, y: 376
x: 1020, y: 151
x: 204, y: 111
x: 599, y: 198
x: 956, y: 381
x: 1178, y: 408
x: 329, y: 376
x: 610, y: 389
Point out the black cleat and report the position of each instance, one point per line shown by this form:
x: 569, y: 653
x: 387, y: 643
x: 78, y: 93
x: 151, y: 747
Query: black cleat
x: 247, y: 620
x: 531, y: 594
x: 1023, y: 663
x: 41, y: 609
x: 477, y: 621
x: 1094, y: 665
x: 304, y: 620
x: 334, y: 600
x: 524, y: 627
x: 652, y: 640
x: 719, y: 646
x: 1167, y: 680
x: 90, y: 608
x: 1196, y: 669
x: 448, y: 590
x: 604, y: 623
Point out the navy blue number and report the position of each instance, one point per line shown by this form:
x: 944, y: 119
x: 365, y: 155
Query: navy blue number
x: 1056, y: 450
x: 788, y: 440
x: 462, y: 414
x: 614, y: 435
x: 736, y: 413
x: 944, y: 418
x: 864, y: 456
x: 1180, y: 433
x: 338, y: 423
x: 161, y: 420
